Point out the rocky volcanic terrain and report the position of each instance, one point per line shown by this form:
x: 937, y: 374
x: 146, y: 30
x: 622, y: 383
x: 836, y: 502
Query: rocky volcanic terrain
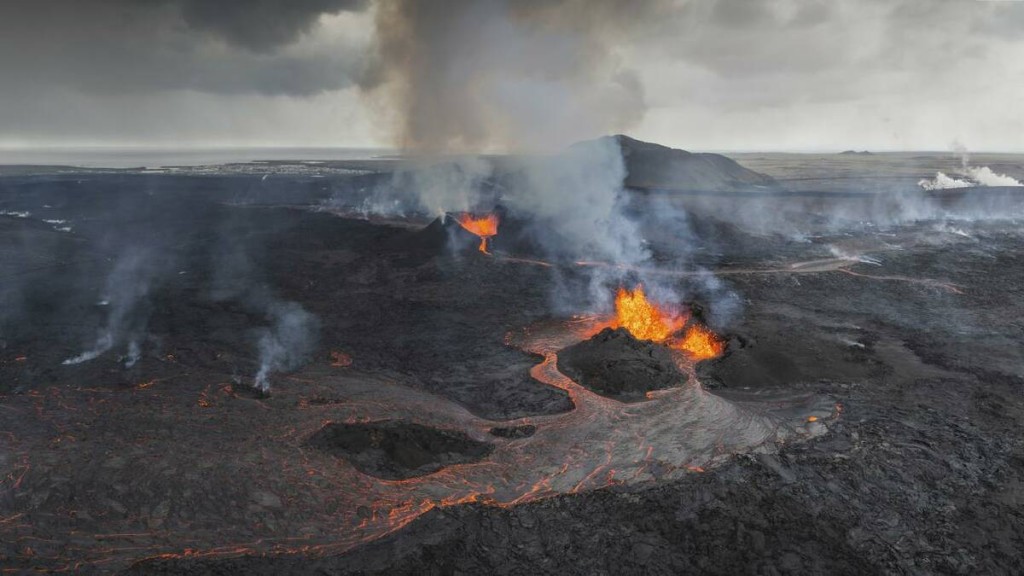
x: 615, y: 364
x: 166, y: 460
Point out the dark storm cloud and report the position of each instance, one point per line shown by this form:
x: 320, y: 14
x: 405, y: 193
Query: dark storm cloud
x: 809, y: 51
x: 469, y: 74
x: 792, y: 33
x: 119, y: 46
x: 260, y: 25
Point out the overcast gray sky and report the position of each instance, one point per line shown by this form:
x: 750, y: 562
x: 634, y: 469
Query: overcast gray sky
x: 493, y: 74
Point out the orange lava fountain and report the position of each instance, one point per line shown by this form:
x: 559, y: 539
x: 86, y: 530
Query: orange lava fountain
x: 644, y: 320
x: 483, y: 226
x: 648, y: 321
x: 700, y: 343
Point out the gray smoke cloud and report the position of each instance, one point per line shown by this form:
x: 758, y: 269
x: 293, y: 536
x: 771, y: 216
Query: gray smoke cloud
x: 470, y: 75
x: 467, y: 76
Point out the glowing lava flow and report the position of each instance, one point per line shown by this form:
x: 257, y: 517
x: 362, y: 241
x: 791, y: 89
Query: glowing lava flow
x: 482, y: 226
x: 332, y: 506
x: 648, y: 321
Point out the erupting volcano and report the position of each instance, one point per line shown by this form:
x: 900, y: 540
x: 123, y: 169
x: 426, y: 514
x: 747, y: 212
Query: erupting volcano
x: 483, y: 226
x: 243, y: 330
x: 646, y: 320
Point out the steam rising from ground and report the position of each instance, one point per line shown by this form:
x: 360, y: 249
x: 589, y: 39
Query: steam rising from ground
x: 944, y: 182
x: 142, y: 269
x: 986, y: 177
x: 287, y: 342
x: 126, y: 298
x: 291, y: 333
x: 974, y: 176
x: 977, y: 176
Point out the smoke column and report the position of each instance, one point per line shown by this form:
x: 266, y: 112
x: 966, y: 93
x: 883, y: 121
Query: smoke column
x: 474, y: 75
x: 466, y: 76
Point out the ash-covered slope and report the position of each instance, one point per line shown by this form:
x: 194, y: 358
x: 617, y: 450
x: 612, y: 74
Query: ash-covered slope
x: 656, y: 167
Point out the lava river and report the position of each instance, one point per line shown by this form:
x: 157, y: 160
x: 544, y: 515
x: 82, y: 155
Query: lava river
x: 326, y: 505
x: 602, y: 442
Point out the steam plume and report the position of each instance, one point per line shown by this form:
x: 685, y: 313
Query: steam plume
x: 944, y: 182
x: 292, y: 332
x: 986, y: 177
x: 126, y: 297
x: 975, y: 175
x: 288, y: 341
x: 526, y: 76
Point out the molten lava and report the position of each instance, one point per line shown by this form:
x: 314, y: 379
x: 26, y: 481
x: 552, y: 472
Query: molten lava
x: 700, y: 343
x: 648, y: 321
x: 643, y: 319
x: 483, y: 226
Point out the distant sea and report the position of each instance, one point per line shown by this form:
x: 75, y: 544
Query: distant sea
x: 163, y: 157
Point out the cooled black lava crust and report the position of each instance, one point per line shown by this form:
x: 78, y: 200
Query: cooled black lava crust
x: 615, y: 364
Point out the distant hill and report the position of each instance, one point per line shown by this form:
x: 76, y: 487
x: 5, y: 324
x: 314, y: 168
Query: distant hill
x: 855, y: 153
x: 656, y: 167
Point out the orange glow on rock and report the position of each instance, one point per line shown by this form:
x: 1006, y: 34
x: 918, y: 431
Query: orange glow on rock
x: 483, y: 226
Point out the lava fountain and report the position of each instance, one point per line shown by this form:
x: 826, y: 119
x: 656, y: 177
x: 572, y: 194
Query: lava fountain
x: 482, y: 226
x: 643, y: 319
x: 699, y: 343
x: 646, y: 320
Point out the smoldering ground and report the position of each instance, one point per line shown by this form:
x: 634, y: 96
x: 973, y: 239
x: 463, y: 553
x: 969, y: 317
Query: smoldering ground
x: 137, y: 249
